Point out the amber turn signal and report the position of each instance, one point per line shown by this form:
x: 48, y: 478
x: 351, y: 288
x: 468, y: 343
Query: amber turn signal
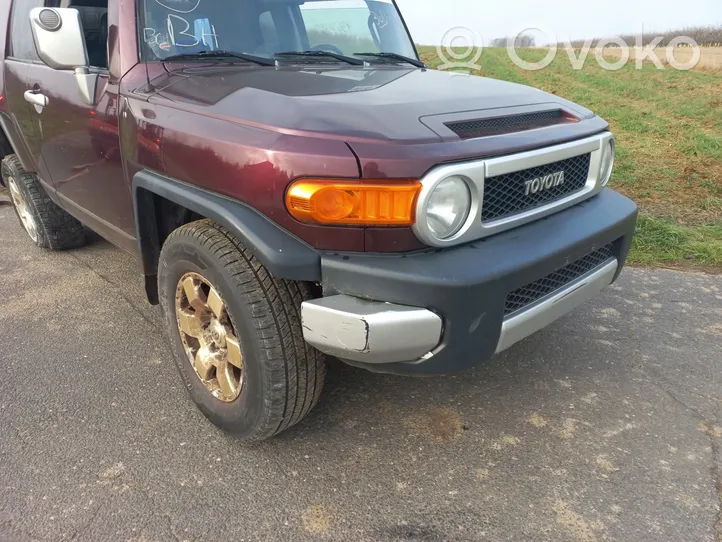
x: 367, y: 203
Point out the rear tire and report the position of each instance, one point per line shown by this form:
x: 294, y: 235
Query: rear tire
x: 47, y: 225
x: 281, y: 376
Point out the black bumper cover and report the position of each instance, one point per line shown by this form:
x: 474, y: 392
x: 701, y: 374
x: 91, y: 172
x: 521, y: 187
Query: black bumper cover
x: 467, y: 285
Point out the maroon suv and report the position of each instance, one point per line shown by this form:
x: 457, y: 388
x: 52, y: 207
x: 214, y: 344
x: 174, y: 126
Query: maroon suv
x: 295, y: 183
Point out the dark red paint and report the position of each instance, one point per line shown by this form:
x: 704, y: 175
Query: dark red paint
x: 248, y: 131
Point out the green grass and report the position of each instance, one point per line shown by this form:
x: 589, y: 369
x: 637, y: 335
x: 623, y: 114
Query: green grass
x: 664, y: 241
x: 668, y: 126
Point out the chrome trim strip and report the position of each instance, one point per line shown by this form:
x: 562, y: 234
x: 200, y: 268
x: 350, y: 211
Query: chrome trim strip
x: 547, y: 310
x: 369, y: 331
x: 475, y: 173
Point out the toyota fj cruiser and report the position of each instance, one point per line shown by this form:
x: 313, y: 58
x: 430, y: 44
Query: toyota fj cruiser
x: 296, y: 183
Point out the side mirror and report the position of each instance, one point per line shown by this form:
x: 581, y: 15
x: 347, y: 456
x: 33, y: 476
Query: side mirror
x: 59, y: 40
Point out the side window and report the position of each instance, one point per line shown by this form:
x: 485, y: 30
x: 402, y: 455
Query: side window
x: 94, y: 18
x: 22, y: 45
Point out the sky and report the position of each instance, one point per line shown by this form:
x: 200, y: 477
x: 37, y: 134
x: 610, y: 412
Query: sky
x: 429, y: 20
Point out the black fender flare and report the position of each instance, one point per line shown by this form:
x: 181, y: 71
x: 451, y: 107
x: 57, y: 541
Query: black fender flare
x: 11, y: 142
x: 284, y: 255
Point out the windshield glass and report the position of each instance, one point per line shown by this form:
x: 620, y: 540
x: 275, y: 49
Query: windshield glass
x: 266, y: 27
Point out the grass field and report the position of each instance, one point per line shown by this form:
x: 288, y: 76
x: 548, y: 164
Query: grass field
x: 710, y: 59
x: 668, y: 126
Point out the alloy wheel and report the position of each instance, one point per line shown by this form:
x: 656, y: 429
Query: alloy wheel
x: 21, y: 206
x: 208, y: 336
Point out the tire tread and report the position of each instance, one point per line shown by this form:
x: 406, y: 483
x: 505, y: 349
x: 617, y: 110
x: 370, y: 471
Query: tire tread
x: 296, y: 370
x: 57, y: 230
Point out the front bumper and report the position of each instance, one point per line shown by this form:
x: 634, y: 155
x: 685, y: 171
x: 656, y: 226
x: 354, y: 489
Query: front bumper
x: 443, y: 311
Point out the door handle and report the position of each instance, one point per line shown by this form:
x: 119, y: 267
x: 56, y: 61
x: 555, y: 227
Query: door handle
x: 36, y: 98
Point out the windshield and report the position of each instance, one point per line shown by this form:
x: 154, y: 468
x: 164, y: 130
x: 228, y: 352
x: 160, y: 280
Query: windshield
x: 266, y: 27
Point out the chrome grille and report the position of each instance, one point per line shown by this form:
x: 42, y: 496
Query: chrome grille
x: 505, y: 195
x: 504, y: 125
x: 522, y: 297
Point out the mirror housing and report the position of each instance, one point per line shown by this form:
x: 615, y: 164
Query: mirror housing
x: 58, y: 35
x: 59, y: 40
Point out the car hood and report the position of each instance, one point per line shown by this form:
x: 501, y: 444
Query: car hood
x: 354, y: 103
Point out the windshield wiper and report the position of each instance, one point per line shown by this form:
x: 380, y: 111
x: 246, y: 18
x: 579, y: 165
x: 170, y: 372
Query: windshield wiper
x: 395, y: 56
x: 203, y: 55
x: 327, y: 54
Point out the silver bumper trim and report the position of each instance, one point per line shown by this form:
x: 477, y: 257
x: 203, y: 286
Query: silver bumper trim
x: 369, y: 331
x: 477, y: 171
x: 543, y: 313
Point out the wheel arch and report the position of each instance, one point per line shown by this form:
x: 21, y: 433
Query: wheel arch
x: 162, y: 204
x: 11, y: 143
x: 5, y: 150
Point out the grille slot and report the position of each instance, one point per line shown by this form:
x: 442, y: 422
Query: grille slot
x: 469, y: 129
x: 505, y: 195
x: 522, y: 297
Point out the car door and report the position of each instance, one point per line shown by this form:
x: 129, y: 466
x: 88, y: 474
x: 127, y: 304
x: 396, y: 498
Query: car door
x: 80, y: 143
x: 20, y: 55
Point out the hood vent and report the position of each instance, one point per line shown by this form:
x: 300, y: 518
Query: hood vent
x: 469, y: 129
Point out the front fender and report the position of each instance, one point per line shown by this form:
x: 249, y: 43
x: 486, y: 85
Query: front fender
x: 283, y: 254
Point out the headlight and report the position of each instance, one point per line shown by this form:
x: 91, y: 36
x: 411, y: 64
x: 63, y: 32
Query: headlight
x: 607, y: 162
x: 448, y: 207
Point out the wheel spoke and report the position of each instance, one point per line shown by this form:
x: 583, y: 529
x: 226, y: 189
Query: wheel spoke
x: 208, y: 337
x: 195, y: 296
x: 30, y: 226
x: 15, y: 194
x: 203, y: 363
x: 190, y: 323
x: 235, y: 357
x: 226, y: 379
x: 22, y: 209
x: 214, y: 303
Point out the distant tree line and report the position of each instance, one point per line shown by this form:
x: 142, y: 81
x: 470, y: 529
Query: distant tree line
x: 523, y: 40
x: 710, y: 36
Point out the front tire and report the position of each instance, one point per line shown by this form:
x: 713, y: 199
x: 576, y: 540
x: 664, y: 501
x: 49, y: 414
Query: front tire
x: 236, y: 333
x: 46, y: 224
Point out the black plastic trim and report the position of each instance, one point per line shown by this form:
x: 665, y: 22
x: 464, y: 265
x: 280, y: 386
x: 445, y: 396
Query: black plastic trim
x: 284, y: 255
x: 11, y: 142
x: 411, y: 39
x: 468, y: 285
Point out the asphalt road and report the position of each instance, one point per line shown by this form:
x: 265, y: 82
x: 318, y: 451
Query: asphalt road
x: 605, y: 426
